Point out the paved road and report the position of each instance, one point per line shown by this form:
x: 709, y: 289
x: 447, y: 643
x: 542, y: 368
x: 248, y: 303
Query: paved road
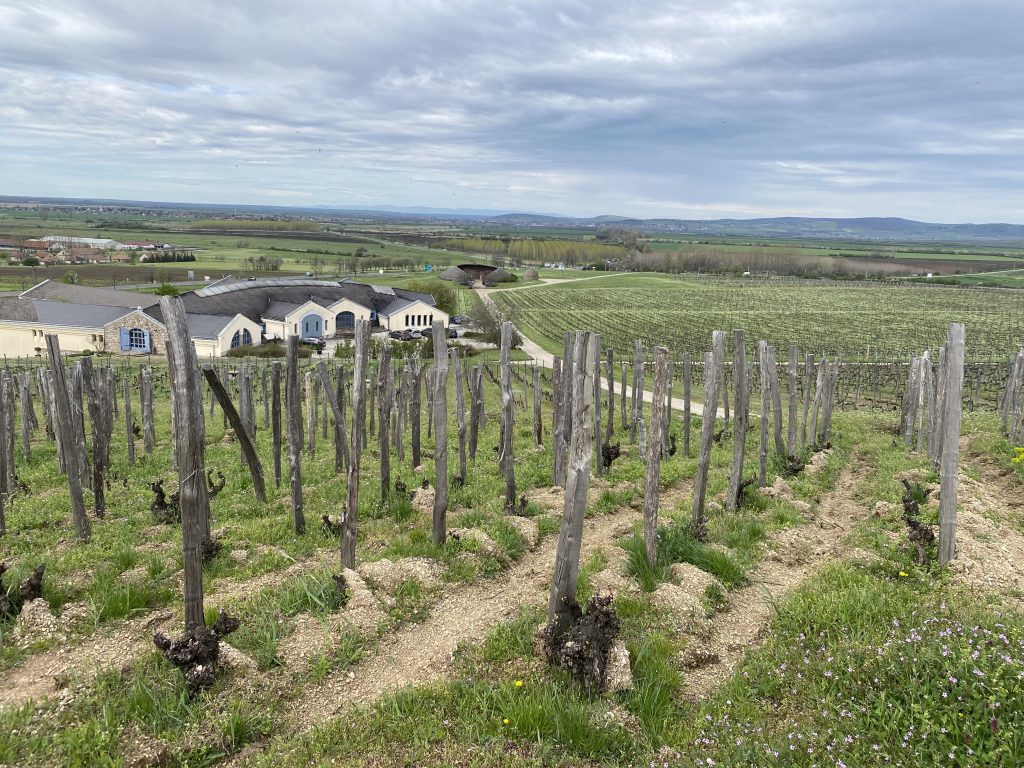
x: 546, y: 360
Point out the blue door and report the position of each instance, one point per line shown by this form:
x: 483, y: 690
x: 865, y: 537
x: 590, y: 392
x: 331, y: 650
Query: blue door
x: 312, y: 325
x: 345, y: 320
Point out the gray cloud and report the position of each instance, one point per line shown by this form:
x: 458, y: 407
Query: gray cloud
x: 689, y: 108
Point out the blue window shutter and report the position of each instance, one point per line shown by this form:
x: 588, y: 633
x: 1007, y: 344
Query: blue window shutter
x: 125, y: 342
x: 145, y: 346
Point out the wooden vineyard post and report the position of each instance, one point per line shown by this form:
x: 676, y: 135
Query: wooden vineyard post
x: 668, y: 406
x: 565, y: 411
x: 372, y: 391
x: 460, y: 410
x: 64, y: 428
x: 556, y: 417
x: 415, y: 409
x: 440, y: 526
x: 909, y: 410
x: 400, y: 407
x: 310, y: 432
x: 241, y: 430
x: 652, y: 487
x: 808, y: 376
x: 146, y: 403
x: 922, y: 397
x: 350, y: 513
x: 430, y: 399
x: 712, y: 382
x: 75, y: 396
x: 622, y: 396
x: 776, y: 390
x: 246, y: 401
x: 293, y: 408
x: 341, y: 433
x: 333, y: 399
x: 794, y: 369
x: 831, y: 385
x: 506, y: 461
x: 263, y: 397
x: 818, y: 388
x: 99, y: 411
x: 129, y: 424
x: 187, y: 403
x: 28, y: 415
x: 932, y: 414
x: 951, y: 445
x: 538, y: 426
x: 384, y: 394
x: 476, y: 411
x: 7, y: 428
x: 637, y: 391
x: 766, y: 407
x: 687, y: 408
x: 5, y: 487
x: 597, y: 405
x: 275, y: 418
x: 609, y: 370
x: 739, y: 431
x: 570, y: 536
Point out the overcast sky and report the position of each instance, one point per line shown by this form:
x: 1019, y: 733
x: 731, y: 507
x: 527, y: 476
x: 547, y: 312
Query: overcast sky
x: 693, y: 109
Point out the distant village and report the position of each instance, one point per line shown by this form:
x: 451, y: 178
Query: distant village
x: 62, y: 249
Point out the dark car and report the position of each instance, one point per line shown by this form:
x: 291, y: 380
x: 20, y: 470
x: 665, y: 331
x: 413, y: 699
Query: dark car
x: 459, y: 319
x: 452, y: 333
x: 396, y: 335
x: 315, y: 342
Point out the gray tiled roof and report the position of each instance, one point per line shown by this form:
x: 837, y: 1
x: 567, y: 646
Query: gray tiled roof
x: 207, y: 326
x: 84, y: 294
x: 256, y: 298
x: 278, y: 310
x: 59, y: 312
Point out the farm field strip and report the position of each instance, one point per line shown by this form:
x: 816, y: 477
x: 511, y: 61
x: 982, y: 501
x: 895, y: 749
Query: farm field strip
x: 853, y: 321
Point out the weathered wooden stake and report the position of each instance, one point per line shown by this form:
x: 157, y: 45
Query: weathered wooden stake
x: 238, y: 426
x: 439, y: 530
x: 739, y: 432
x: 712, y: 381
x: 194, y: 501
x: 293, y: 408
x: 350, y: 513
x: 275, y: 419
x: 951, y: 445
x: 570, y: 537
x: 652, y: 487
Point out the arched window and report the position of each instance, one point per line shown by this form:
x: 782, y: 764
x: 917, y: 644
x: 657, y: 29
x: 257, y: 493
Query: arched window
x: 241, y: 338
x: 137, y: 338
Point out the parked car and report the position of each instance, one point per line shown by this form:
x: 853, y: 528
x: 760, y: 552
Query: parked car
x: 315, y: 342
x: 396, y: 335
x: 415, y: 335
x: 459, y: 319
x: 453, y: 333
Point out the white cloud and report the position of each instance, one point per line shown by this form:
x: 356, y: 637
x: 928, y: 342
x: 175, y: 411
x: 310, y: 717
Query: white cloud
x: 636, y: 107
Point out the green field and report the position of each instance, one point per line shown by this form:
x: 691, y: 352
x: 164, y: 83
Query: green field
x: 855, y: 319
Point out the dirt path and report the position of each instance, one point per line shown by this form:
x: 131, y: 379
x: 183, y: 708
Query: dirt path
x: 421, y: 653
x: 794, y: 554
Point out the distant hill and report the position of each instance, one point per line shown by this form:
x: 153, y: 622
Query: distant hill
x: 880, y: 229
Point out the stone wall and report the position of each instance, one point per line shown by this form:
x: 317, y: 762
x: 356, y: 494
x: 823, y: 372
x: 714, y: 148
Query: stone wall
x: 142, y: 321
